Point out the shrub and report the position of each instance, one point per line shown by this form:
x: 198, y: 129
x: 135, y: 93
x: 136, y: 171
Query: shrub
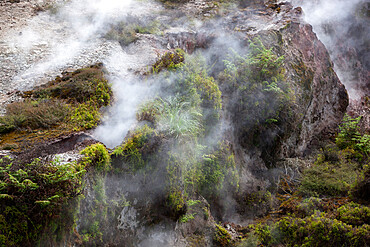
x: 217, y: 172
x: 260, y: 101
x: 350, y: 137
x: 322, y: 231
x: 178, y: 119
x: 315, y: 230
x: 328, y: 178
x: 171, y: 60
x: 96, y: 156
x: 44, y: 113
x: 354, y: 214
x: 73, y: 99
x: 31, y: 194
x: 84, y: 116
x: 222, y: 237
x: 349, y: 132
x: 81, y: 86
x: 194, y: 84
x: 132, y: 149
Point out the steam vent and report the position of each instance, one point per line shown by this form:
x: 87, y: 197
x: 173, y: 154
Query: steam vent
x: 184, y: 123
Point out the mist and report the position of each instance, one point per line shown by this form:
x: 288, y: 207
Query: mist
x: 71, y: 36
x: 74, y: 37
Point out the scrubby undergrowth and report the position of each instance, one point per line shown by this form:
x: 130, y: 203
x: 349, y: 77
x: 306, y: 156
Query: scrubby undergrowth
x: 324, y: 208
x: 70, y: 103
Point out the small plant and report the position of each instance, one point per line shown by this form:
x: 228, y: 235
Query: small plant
x: 85, y: 116
x: 171, y: 60
x: 96, y: 156
x: 222, y: 237
x: 185, y: 218
x: 132, y: 149
x: 349, y: 136
x: 34, y: 114
x: 177, y: 118
x: 30, y: 194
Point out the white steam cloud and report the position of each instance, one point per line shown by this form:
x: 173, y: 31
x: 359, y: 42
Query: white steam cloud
x: 70, y: 37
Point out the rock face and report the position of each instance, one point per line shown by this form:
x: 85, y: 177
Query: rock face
x: 323, y: 96
x: 321, y: 99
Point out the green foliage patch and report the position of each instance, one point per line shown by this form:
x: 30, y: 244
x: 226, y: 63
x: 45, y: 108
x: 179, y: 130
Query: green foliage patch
x: 69, y: 103
x: 171, y: 60
x: 42, y: 113
x: 126, y: 31
x: 260, y: 99
x: 349, y: 137
x: 315, y: 230
x: 217, y: 172
x: 221, y: 237
x: 134, y: 148
x: 331, y: 175
x: 97, y: 156
x: 30, y: 194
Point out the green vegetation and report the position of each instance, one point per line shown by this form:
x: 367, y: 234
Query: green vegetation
x: 96, y: 155
x: 132, y: 150
x: 195, y: 100
x: 331, y: 175
x: 350, y: 138
x: 360, y: 190
x: 125, y: 32
x: 31, y: 194
x: 261, y: 102
x: 217, y: 172
x: 99, y: 210
x: 194, y: 174
x: 222, y: 237
x: 64, y: 105
x: 188, y: 110
x: 84, y: 90
x: 86, y: 85
x: 315, y: 230
x: 171, y: 60
x: 173, y: 116
x: 318, y: 211
x: 41, y: 113
x: 185, y: 218
x: 337, y: 168
x: 178, y: 119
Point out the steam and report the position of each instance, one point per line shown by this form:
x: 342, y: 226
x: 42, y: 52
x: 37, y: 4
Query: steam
x: 69, y: 34
x: 122, y: 115
x: 70, y: 37
x: 73, y: 39
x: 332, y: 21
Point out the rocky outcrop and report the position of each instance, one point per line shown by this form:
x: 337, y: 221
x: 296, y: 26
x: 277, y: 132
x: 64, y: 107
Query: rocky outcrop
x: 323, y: 98
x: 320, y: 97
